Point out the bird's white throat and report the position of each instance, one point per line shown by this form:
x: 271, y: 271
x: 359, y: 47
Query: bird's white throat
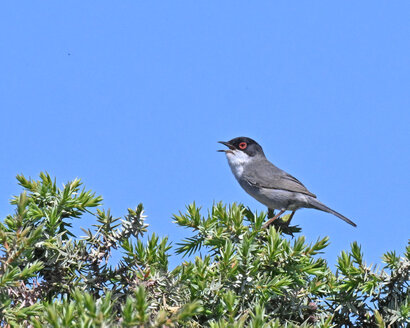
x: 237, y: 160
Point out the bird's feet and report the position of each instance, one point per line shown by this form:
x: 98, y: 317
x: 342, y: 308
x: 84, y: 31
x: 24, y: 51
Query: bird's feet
x: 281, y: 223
x: 273, y: 219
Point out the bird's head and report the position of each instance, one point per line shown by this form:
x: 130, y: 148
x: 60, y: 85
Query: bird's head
x: 242, y: 149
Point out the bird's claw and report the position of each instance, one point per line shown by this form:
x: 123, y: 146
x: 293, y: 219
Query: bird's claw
x: 282, y: 224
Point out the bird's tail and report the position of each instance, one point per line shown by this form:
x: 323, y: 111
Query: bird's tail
x: 314, y: 203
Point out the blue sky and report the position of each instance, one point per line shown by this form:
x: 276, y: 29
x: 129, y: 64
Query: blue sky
x: 132, y: 97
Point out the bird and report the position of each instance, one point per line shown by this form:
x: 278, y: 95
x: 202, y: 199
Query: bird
x: 268, y: 184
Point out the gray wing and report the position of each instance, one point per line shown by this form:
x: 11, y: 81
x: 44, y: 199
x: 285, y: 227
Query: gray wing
x: 265, y: 174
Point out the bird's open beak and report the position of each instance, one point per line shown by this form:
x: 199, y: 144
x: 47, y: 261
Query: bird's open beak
x: 227, y: 144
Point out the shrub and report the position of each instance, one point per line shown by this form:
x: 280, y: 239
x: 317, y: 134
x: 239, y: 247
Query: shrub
x: 247, y: 277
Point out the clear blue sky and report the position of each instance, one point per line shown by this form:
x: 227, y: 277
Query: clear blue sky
x: 132, y: 96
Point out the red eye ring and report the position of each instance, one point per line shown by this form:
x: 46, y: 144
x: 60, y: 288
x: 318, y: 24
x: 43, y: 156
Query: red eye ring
x: 243, y: 145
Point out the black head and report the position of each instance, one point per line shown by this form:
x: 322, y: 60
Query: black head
x: 247, y: 145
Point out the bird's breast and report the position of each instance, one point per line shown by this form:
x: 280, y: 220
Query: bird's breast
x: 236, y: 163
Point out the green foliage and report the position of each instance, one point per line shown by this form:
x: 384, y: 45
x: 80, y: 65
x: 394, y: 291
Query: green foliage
x: 248, y: 276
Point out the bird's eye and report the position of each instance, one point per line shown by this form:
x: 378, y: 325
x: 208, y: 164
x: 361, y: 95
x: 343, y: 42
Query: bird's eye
x: 243, y: 145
